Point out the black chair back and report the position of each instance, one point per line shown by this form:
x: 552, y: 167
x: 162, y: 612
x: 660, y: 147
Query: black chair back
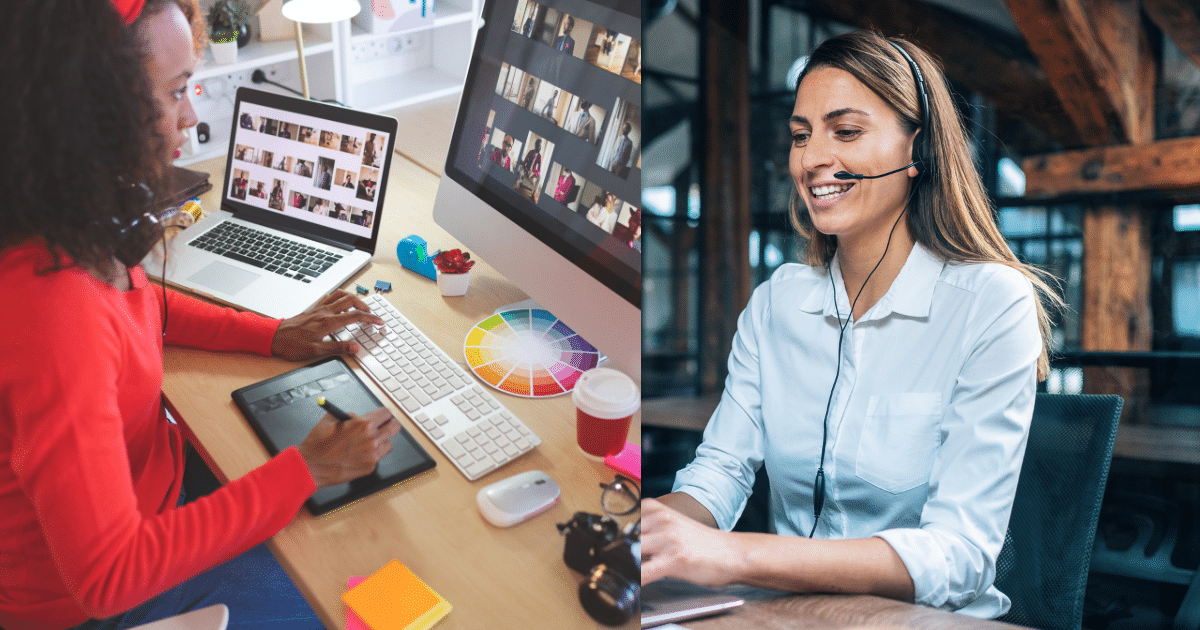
x: 1047, y: 551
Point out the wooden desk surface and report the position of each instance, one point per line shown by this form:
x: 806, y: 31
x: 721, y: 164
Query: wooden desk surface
x: 769, y: 611
x: 494, y: 578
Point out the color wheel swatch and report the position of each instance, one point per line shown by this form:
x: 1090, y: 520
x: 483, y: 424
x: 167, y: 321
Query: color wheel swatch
x: 528, y: 352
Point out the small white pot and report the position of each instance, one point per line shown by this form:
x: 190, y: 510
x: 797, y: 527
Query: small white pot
x: 452, y: 284
x: 224, y: 52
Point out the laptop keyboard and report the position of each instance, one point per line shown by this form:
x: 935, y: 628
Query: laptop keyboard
x: 276, y: 254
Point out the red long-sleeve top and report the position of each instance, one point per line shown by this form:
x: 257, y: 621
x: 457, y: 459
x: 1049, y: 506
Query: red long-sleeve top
x: 90, y: 468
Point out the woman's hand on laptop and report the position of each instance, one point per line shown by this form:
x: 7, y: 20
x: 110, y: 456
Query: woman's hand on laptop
x: 304, y: 336
x: 674, y: 545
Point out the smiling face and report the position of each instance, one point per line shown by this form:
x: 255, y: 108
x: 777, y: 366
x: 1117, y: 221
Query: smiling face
x: 839, y: 124
x: 170, y: 60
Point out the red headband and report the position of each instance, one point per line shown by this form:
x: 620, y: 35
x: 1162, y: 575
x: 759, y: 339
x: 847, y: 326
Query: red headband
x: 129, y: 9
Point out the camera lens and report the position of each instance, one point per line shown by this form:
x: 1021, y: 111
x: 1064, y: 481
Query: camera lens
x: 608, y: 597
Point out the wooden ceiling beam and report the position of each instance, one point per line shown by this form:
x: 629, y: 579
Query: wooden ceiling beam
x: 1122, y: 35
x: 1063, y: 38
x: 1163, y: 165
x: 1178, y: 20
x: 987, y: 61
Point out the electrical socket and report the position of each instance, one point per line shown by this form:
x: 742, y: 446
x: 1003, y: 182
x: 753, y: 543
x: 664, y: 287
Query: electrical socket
x: 238, y: 78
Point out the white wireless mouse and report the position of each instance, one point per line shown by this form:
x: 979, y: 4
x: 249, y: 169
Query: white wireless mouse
x: 518, y: 498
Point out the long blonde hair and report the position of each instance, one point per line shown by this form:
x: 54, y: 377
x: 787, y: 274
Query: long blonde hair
x: 949, y: 212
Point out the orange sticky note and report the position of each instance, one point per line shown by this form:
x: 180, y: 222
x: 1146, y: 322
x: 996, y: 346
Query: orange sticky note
x: 352, y: 620
x: 393, y: 598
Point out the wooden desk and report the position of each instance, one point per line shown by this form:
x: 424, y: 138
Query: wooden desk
x: 494, y: 578
x: 765, y: 610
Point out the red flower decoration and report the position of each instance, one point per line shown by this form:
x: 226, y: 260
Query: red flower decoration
x: 453, y: 261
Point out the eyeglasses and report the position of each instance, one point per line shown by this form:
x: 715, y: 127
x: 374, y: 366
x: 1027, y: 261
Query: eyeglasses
x: 621, y: 496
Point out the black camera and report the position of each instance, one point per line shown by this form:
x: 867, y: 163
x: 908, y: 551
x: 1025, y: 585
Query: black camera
x: 598, y: 548
x: 608, y: 555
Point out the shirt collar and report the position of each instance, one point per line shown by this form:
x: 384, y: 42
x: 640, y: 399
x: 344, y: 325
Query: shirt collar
x: 911, y: 294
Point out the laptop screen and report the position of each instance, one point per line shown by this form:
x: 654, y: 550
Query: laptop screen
x: 310, y: 167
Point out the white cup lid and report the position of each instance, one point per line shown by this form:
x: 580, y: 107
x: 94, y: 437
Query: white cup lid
x: 606, y: 393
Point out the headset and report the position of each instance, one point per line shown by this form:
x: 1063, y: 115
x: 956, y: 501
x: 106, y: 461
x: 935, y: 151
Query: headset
x: 920, y: 151
x: 920, y: 154
x: 140, y: 235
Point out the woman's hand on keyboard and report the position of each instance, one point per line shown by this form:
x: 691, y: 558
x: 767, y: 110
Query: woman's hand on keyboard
x: 338, y: 452
x: 304, y: 336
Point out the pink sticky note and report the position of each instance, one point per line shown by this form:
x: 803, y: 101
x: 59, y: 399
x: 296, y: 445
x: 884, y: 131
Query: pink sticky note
x: 353, y: 622
x: 628, y: 462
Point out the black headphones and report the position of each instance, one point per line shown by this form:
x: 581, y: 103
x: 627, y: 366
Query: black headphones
x: 921, y: 143
x: 140, y: 235
x: 920, y: 154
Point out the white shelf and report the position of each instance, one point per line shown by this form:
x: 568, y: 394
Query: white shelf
x: 440, y: 55
x: 454, y: 15
x: 397, y: 91
x: 447, y: 13
x: 257, y: 54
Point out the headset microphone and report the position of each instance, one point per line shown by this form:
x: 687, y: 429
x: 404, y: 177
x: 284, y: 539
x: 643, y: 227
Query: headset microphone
x: 847, y: 175
x: 920, y: 154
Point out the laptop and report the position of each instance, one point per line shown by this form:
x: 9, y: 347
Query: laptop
x: 669, y: 600
x: 300, y: 208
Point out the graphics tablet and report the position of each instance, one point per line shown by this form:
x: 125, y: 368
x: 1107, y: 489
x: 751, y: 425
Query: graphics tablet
x: 282, y: 410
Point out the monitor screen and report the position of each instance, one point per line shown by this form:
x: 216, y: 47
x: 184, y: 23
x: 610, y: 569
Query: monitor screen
x: 544, y: 168
x: 297, y: 163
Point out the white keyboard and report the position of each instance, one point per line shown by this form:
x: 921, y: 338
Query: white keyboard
x: 462, y: 418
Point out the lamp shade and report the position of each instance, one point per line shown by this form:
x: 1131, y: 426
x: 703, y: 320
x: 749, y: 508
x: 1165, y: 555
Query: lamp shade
x: 320, y: 11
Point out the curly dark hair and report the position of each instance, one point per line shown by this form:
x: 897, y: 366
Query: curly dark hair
x: 80, y: 130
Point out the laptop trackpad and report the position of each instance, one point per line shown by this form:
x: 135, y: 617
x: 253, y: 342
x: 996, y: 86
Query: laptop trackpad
x: 227, y: 279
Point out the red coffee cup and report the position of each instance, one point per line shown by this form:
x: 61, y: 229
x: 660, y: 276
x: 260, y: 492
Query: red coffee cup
x: 605, y: 401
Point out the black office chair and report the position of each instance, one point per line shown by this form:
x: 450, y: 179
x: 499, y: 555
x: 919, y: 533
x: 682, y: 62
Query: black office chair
x: 1044, y: 564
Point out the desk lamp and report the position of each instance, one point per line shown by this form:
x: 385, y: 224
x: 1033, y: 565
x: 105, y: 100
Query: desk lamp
x: 316, y: 12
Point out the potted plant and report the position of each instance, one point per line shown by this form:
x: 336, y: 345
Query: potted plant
x: 229, y: 28
x: 453, y: 271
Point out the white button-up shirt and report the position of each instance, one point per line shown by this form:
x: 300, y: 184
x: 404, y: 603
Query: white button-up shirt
x: 927, y: 427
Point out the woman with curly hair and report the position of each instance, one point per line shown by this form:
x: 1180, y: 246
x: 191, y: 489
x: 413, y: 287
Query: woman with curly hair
x: 97, y: 526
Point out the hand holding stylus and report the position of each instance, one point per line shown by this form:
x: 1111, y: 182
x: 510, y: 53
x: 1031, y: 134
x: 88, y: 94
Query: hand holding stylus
x: 343, y: 447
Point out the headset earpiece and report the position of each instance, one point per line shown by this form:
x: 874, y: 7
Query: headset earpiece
x: 920, y: 152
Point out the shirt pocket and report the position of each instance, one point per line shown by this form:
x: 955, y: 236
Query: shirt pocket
x: 899, y: 441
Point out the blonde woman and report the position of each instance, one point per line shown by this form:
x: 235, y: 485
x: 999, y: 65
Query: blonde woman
x: 885, y: 386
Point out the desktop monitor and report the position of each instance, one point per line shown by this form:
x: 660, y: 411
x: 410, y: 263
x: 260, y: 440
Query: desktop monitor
x: 543, y: 176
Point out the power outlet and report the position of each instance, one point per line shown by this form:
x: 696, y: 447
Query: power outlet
x: 239, y: 78
x: 224, y: 86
